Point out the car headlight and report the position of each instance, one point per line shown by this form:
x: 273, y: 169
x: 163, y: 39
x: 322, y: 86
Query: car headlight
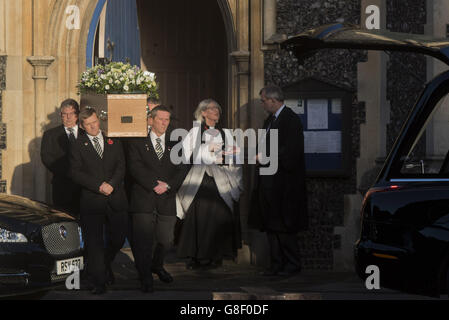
x: 11, y: 237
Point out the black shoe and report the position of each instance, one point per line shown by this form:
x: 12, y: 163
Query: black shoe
x: 110, y: 278
x: 97, y: 290
x: 147, y: 286
x: 193, y: 264
x: 271, y: 272
x: 163, y: 275
x: 289, y: 272
x: 212, y: 264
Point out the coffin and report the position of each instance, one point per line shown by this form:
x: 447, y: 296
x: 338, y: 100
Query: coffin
x: 121, y: 115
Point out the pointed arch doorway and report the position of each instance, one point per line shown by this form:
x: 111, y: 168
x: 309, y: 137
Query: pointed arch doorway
x: 185, y: 44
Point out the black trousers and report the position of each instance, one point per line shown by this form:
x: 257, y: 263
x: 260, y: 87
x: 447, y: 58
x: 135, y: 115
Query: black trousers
x: 66, y: 197
x: 284, y: 247
x: 101, y: 253
x: 151, y: 230
x: 284, y: 251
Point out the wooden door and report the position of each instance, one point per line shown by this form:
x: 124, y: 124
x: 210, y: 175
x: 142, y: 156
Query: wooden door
x: 184, y: 43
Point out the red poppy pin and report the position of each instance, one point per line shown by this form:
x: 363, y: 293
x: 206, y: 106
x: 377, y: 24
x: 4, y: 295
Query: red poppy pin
x: 110, y: 142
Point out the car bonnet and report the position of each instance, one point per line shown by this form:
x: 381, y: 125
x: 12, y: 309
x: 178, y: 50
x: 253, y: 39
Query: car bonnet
x: 17, y: 211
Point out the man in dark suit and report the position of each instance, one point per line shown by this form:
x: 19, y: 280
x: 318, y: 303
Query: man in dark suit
x: 55, y: 149
x: 98, y: 166
x: 153, y: 198
x: 280, y: 203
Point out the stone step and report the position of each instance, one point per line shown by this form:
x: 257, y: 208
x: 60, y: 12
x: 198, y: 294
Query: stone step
x: 264, y: 293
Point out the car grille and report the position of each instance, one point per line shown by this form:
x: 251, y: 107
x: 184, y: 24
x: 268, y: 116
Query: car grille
x: 56, y: 244
x: 60, y: 278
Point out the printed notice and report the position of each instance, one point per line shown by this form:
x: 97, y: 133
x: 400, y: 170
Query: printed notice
x: 322, y: 141
x: 336, y: 106
x: 296, y: 105
x: 317, y: 114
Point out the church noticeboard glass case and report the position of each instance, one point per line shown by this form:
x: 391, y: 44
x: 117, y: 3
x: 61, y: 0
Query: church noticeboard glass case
x: 325, y: 112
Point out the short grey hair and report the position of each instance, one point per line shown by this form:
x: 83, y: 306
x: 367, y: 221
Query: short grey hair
x: 273, y: 92
x: 202, y: 106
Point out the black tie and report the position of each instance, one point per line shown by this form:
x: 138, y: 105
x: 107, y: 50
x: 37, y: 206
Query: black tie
x: 270, y: 122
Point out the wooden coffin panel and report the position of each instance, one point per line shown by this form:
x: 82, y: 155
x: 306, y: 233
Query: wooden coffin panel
x: 121, y: 115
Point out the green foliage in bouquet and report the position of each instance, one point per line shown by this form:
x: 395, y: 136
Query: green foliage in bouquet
x: 118, y: 78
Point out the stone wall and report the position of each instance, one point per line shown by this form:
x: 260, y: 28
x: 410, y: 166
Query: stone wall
x: 339, y: 67
x: 406, y: 72
x: 2, y: 125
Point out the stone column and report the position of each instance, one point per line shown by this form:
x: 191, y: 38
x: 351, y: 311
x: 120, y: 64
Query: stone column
x: 243, y: 75
x: 242, y: 59
x: 40, y: 65
x: 269, y: 25
x: 372, y: 88
x: 269, y: 19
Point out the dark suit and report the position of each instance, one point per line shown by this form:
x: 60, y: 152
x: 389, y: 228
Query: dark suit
x: 152, y: 214
x: 55, y: 150
x: 280, y: 201
x: 90, y: 171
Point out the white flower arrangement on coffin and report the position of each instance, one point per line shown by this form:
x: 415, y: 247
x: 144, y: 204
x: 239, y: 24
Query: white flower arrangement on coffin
x: 118, y: 78
x: 118, y: 92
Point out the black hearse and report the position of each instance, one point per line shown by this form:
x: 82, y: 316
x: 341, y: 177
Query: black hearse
x: 405, y: 215
x: 38, y: 246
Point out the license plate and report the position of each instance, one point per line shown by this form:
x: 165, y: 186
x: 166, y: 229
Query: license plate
x: 69, y: 265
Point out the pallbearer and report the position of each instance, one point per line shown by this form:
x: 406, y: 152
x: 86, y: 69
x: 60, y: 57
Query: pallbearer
x: 153, y: 198
x: 98, y: 166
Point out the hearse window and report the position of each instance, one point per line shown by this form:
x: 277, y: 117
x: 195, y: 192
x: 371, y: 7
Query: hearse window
x: 427, y: 156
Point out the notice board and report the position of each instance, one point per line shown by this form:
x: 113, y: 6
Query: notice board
x: 325, y: 112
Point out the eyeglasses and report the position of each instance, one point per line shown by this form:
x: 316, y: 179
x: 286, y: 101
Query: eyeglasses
x: 68, y: 115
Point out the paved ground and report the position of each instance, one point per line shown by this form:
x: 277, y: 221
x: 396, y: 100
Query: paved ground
x: 235, y: 282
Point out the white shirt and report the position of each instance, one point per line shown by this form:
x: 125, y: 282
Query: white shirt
x: 276, y: 115
x: 100, y: 140
x: 153, y: 137
x: 75, y: 131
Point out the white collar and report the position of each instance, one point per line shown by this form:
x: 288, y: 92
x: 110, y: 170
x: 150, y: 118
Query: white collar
x: 154, y: 136
x: 99, y: 136
x: 276, y: 115
x: 75, y: 129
